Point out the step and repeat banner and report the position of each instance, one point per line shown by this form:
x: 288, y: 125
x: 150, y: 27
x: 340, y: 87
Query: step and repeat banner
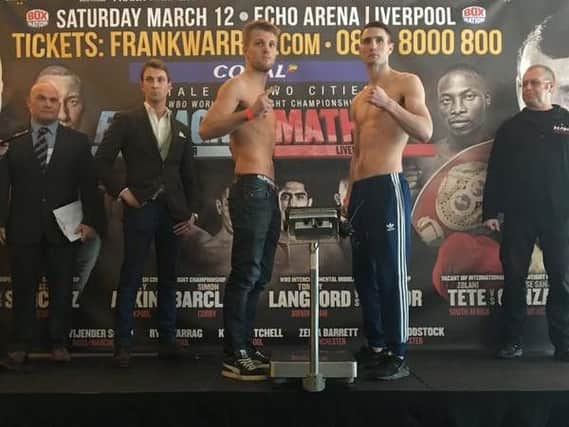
x: 470, y: 57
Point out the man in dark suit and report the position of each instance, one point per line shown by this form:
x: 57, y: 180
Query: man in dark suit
x: 159, y: 198
x: 1, y: 84
x: 7, y: 121
x: 47, y: 168
x: 71, y: 112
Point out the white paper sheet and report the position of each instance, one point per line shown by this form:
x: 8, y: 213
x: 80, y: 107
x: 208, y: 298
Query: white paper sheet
x: 68, y: 218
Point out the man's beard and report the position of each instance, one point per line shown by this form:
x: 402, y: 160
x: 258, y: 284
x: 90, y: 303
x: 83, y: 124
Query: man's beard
x: 262, y: 67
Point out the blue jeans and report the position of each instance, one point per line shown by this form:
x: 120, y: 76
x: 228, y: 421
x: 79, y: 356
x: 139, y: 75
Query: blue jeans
x: 256, y: 220
x: 141, y: 226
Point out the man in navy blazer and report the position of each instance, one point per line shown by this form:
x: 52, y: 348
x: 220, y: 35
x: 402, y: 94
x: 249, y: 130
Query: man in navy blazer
x: 49, y: 167
x: 159, y: 197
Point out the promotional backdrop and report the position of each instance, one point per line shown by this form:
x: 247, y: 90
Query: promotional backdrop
x: 469, y: 56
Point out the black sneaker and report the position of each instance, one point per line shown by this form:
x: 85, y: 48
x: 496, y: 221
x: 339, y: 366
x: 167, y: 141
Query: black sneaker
x: 367, y: 358
x: 392, y: 368
x: 15, y: 361
x: 261, y: 359
x: 510, y: 351
x: 562, y: 354
x: 240, y: 366
x: 122, y: 358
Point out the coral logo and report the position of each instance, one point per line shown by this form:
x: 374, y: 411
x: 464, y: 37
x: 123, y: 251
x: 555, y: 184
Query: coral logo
x: 474, y: 15
x: 228, y: 71
x: 291, y: 72
x: 37, y: 18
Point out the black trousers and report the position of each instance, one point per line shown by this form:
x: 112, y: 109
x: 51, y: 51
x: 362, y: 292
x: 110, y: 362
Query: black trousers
x: 519, y: 236
x: 28, y: 264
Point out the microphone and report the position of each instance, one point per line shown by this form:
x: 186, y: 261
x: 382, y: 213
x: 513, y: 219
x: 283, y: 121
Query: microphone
x: 7, y: 140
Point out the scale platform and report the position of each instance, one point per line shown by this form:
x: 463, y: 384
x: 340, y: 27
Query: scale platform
x: 296, y: 364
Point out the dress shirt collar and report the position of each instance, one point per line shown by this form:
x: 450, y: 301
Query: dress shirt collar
x: 51, y: 126
x: 152, y: 111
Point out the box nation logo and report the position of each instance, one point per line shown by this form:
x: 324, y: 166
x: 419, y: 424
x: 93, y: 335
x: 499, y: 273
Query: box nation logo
x: 37, y: 18
x: 474, y: 15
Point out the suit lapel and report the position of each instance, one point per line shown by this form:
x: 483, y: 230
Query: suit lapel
x: 178, y: 135
x: 151, y: 142
x: 28, y: 147
x: 28, y: 150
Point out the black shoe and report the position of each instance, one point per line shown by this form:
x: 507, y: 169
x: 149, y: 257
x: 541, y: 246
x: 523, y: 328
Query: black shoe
x: 367, y: 358
x: 60, y: 355
x: 510, y: 351
x: 261, y: 359
x: 240, y: 366
x: 15, y: 361
x: 122, y: 358
x: 392, y: 368
x: 172, y: 351
x: 562, y: 354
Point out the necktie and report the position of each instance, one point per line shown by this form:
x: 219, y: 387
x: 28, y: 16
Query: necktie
x: 40, y: 149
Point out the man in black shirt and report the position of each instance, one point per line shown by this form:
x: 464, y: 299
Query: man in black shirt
x: 527, y: 182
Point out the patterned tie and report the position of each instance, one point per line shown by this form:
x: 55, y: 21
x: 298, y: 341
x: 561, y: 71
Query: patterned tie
x: 40, y: 149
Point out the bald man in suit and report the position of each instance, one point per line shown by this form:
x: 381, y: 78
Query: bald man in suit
x: 49, y: 167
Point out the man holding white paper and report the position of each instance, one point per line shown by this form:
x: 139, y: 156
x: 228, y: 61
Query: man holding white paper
x: 48, y: 168
x: 69, y: 219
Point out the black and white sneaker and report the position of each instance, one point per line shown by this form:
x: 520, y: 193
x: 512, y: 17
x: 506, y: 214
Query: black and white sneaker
x: 261, y: 359
x: 367, y: 358
x: 392, y: 368
x: 240, y: 366
x: 510, y: 351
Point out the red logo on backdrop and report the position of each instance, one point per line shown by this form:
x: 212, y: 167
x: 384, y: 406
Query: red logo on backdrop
x: 474, y: 15
x: 37, y: 18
